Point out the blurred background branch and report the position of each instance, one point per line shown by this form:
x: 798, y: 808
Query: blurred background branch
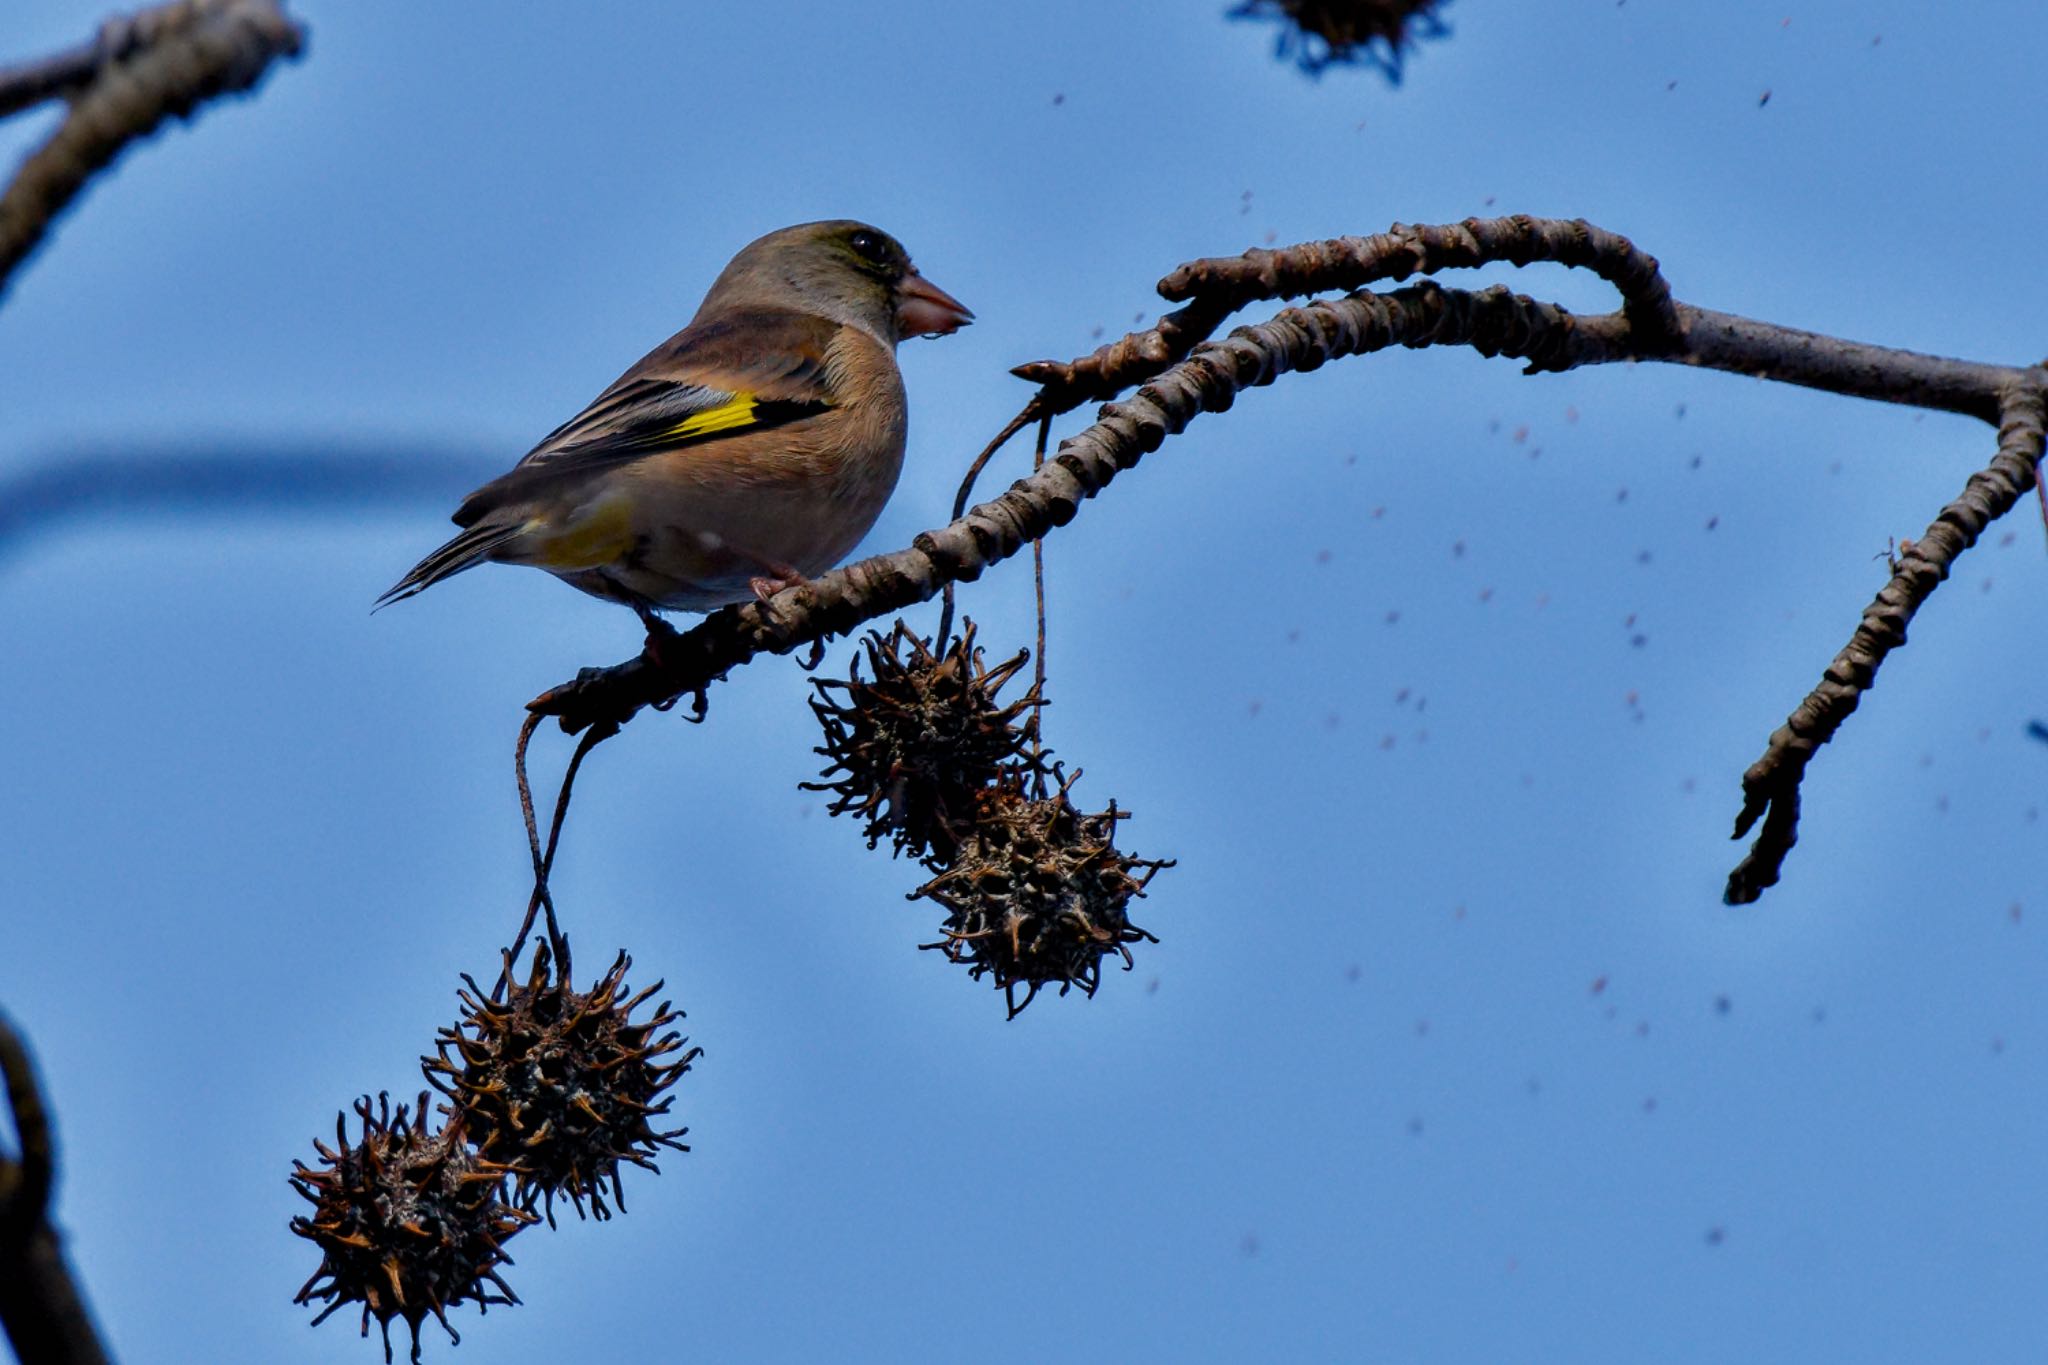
x: 41, y: 1309
x: 230, y: 478
x: 136, y: 72
x: 139, y: 71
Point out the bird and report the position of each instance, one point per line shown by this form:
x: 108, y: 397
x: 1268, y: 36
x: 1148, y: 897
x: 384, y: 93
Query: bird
x: 747, y: 453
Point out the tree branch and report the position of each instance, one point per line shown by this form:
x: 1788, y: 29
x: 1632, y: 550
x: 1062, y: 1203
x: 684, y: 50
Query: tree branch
x: 1221, y: 285
x: 1770, y: 789
x: 1187, y: 375
x: 41, y: 1308
x: 140, y: 71
x: 213, y: 478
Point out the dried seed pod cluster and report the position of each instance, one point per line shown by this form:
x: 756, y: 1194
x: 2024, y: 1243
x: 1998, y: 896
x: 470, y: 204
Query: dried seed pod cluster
x: 1318, y: 34
x: 549, y: 1090
x: 912, y: 746
x: 561, y: 1085
x: 409, y: 1222
x: 1039, y: 894
x: 1035, y: 891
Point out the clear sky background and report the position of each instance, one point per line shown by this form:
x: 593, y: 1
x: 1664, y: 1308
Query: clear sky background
x: 1437, y: 679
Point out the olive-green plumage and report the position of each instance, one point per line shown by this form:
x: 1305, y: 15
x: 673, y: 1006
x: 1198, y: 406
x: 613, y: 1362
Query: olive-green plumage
x: 750, y: 450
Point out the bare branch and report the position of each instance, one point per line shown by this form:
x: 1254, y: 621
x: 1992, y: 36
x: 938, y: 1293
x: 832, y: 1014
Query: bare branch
x: 41, y: 1308
x: 1218, y: 286
x: 1494, y: 321
x: 24, y: 1183
x: 28, y: 84
x: 1722, y: 341
x: 1189, y: 375
x: 157, y: 64
x: 1770, y: 789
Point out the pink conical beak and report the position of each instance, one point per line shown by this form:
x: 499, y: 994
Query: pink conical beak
x: 924, y: 309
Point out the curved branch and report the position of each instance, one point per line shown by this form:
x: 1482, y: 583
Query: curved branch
x: 1770, y: 789
x: 1216, y: 287
x: 160, y: 63
x: 1494, y: 321
x: 1207, y: 376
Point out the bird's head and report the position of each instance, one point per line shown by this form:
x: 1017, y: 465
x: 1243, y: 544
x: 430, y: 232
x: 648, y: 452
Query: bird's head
x: 847, y: 271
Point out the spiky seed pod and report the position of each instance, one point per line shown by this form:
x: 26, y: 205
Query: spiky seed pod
x: 1038, y: 894
x: 562, y: 1085
x: 409, y: 1223
x: 914, y: 745
x: 1319, y: 34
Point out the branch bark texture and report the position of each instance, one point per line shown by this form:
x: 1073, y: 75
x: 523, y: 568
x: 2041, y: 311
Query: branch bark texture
x: 140, y: 71
x: 1180, y: 374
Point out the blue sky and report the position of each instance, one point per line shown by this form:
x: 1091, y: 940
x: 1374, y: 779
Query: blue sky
x: 1437, y: 679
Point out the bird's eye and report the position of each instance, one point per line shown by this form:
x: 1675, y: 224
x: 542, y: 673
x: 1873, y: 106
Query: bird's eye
x: 868, y: 245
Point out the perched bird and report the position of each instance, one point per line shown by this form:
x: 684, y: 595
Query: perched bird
x: 749, y: 451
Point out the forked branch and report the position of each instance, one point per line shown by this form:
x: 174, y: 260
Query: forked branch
x: 1181, y: 373
x: 139, y: 71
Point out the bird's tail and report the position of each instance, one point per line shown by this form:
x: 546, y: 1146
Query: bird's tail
x: 466, y: 551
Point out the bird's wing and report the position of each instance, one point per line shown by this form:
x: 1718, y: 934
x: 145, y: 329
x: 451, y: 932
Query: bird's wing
x: 740, y: 371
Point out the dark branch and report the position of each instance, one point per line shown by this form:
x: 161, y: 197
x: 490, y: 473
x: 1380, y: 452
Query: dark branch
x: 41, y: 1308
x: 1216, y: 287
x: 158, y: 64
x: 1722, y: 341
x: 1298, y: 338
x: 210, y: 478
x: 1188, y: 375
x: 1770, y: 789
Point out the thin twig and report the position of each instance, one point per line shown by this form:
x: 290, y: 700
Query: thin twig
x: 542, y: 898
x: 1036, y: 724
x: 592, y: 737
x: 1002, y: 438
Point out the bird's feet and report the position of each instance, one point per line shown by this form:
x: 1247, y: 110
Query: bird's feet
x: 778, y: 577
x: 661, y: 636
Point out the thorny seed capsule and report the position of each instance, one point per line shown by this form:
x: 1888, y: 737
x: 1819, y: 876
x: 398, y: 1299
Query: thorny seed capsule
x: 1319, y: 34
x: 562, y: 1085
x: 409, y: 1223
x: 1038, y: 894
x: 914, y: 746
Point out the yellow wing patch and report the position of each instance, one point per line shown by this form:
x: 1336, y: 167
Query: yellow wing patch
x: 601, y: 536
x: 737, y: 411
